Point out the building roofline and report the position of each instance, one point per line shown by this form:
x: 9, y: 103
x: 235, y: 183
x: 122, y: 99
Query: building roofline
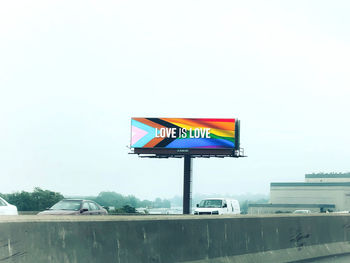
x: 311, y: 184
x: 340, y: 175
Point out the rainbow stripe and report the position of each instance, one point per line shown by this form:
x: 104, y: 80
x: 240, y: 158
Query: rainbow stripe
x: 146, y: 133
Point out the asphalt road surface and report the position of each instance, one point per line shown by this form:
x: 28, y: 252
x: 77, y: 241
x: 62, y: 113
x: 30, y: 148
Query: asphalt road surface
x: 334, y: 259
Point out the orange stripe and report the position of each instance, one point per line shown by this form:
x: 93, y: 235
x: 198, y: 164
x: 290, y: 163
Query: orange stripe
x: 198, y: 123
x: 153, y: 142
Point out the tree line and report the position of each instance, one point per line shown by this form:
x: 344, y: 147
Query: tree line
x: 40, y: 199
x: 37, y: 200
x: 116, y: 200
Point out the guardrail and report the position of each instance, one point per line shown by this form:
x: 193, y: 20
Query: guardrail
x: 168, y: 239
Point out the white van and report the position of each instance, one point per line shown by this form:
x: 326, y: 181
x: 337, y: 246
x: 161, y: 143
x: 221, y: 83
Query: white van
x: 217, y: 206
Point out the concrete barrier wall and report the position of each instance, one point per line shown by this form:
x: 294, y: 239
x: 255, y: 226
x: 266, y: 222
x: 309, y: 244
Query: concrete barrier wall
x: 150, y: 239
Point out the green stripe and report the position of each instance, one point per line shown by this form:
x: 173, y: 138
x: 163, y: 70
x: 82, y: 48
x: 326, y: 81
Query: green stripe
x: 214, y: 136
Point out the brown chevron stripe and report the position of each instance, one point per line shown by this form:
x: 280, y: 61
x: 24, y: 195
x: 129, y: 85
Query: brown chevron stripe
x: 153, y: 142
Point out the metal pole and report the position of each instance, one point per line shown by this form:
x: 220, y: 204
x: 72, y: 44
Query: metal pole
x: 187, y: 197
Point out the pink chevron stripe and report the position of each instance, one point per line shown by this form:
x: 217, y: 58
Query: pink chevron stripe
x: 137, y: 134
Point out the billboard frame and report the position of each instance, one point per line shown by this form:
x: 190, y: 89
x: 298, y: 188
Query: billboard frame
x: 194, y: 152
x: 188, y: 154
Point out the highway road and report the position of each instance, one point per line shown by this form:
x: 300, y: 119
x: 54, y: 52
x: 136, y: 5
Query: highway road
x: 335, y: 259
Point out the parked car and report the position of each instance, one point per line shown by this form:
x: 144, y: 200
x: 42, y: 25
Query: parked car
x: 217, y: 206
x: 302, y: 211
x: 75, y: 207
x: 6, y: 208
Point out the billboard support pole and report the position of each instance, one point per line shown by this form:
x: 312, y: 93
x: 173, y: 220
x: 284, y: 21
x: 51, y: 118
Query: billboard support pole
x: 187, y: 195
x: 163, y: 138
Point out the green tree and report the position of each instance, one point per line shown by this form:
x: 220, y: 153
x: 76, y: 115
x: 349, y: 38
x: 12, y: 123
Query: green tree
x: 159, y: 203
x: 36, y: 201
x: 110, y: 199
x: 126, y: 209
x: 43, y: 199
x: 145, y: 203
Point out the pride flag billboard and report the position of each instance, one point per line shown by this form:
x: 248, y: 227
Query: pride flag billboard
x: 184, y: 133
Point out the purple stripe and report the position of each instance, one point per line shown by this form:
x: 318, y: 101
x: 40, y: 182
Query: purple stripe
x: 201, y: 143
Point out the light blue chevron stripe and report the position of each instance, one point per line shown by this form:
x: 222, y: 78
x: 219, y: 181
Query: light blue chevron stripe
x: 151, y: 132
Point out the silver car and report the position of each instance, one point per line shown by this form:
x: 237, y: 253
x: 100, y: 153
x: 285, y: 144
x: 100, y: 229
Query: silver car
x: 302, y: 211
x: 75, y: 207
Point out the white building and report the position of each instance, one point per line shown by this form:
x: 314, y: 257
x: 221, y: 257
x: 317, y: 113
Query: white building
x: 319, y: 193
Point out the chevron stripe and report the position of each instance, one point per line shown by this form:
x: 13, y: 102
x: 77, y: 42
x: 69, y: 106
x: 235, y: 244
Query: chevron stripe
x: 137, y: 134
x: 222, y: 133
x: 148, y: 133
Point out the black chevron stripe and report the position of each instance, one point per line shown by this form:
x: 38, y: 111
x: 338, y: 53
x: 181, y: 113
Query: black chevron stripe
x: 163, y: 123
x: 166, y: 141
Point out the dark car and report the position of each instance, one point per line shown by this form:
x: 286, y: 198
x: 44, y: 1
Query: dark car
x: 75, y: 207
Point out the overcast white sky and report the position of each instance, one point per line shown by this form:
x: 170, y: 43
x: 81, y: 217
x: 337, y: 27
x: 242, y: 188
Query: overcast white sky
x: 73, y: 73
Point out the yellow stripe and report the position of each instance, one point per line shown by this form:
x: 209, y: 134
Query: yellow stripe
x: 218, y: 132
x: 223, y: 133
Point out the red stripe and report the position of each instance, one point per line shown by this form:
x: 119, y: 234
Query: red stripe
x: 217, y: 120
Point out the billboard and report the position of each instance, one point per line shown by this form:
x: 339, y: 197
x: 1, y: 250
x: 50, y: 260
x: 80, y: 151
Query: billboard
x: 184, y: 133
